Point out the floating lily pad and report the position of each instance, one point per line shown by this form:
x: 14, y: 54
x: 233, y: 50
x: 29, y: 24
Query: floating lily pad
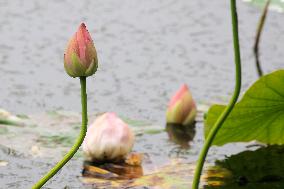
x: 174, y: 175
x: 153, y: 131
x: 3, y: 130
x: 258, y: 116
x: 114, y: 171
x: 66, y: 140
x: 22, y: 116
x: 133, y: 122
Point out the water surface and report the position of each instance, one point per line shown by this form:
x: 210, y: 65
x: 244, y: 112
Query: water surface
x: 146, y: 50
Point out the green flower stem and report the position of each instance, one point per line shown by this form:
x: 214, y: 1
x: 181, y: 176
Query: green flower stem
x: 257, y: 37
x: 230, y: 106
x: 78, y: 143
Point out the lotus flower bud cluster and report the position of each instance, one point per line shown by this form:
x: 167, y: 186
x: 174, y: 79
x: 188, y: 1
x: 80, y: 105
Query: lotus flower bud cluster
x: 80, y: 58
x: 108, y: 139
x: 182, y: 108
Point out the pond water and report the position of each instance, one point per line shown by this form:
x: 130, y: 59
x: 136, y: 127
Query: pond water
x: 146, y: 50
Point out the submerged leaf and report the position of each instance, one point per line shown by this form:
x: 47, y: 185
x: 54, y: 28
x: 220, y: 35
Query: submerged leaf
x: 262, y: 168
x: 258, y: 116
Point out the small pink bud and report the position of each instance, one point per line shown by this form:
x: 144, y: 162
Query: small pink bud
x: 80, y: 58
x: 182, y: 108
x: 108, y: 139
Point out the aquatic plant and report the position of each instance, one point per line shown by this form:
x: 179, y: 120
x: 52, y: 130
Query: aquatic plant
x: 80, y: 60
x: 182, y: 108
x: 257, y: 37
x: 108, y: 139
x: 257, y: 116
x: 231, y: 104
x: 253, y: 169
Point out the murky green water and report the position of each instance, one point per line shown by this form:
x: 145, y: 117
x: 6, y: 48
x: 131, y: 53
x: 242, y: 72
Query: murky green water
x: 146, y: 51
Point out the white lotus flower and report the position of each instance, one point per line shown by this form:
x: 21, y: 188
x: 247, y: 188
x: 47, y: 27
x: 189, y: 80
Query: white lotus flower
x: 108, y: 139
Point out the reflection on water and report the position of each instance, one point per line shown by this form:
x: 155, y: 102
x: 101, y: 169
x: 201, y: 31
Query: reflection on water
x: 180, y: 134
x: 262, y: 168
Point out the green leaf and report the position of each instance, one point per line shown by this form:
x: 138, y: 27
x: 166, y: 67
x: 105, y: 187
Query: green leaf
x: 134, y: 122
x: 154, y: 131
x: 262, y: 168
x: 258, y: 116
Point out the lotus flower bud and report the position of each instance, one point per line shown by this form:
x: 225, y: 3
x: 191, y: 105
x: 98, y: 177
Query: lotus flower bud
x: 80, y: 58
x: 182, y: 108
x: 108, y: 139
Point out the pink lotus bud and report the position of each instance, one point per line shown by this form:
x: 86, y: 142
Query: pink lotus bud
x: 108, y: 139
x: 80, y: 58
x: 182, y: 108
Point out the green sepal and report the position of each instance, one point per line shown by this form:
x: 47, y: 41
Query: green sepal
x: 68, y: 70
x: 77, y: 66
x: 92, y: 68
